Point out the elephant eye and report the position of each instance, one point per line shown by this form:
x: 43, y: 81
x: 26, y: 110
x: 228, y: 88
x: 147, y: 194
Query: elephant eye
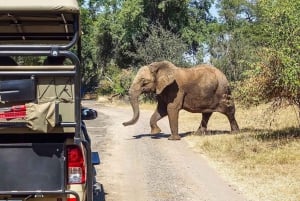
x: 145, y: 82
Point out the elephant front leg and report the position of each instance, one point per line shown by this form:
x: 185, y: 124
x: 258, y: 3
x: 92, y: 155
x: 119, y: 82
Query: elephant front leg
x: 158, y: 114
x: 173, y: 121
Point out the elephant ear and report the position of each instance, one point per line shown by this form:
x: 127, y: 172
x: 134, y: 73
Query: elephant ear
x: 163, y: 73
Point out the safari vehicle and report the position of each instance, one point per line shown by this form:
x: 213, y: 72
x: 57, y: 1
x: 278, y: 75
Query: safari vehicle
x: 45, y: 150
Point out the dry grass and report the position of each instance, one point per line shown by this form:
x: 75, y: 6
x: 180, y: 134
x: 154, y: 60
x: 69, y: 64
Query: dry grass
x: 263, y: 160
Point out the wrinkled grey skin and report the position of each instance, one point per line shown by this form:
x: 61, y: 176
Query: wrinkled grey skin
x: 200, y: 89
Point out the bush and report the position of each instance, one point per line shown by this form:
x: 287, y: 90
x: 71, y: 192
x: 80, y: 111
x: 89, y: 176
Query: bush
x: 115, y: 81
x: 274, y: 78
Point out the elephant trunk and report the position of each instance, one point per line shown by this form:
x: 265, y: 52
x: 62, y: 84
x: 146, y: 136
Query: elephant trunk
x: 135, y: 107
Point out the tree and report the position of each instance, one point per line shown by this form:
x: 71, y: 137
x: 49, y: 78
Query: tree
x: 161, y: 45
x: 121, y: 22
x: 230, y: 43
x: 89, y: 65
x: 128, y: 23
x: 278, y: 70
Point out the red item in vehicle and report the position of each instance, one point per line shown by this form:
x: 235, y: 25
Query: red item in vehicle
x: 16, y: 111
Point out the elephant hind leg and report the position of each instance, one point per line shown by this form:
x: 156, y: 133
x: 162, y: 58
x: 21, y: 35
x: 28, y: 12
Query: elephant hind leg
x: 203, y: 126
x: 228, y: 108
x: 233, y: 124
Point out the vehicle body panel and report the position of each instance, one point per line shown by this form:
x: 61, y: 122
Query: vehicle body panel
x: 40, y: 104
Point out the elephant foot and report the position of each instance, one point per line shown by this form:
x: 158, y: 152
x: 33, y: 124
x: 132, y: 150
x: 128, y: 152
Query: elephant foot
x: 155, y: 130
x: 174, y: 137
x: 235, y: 131
x: 235, y: 128
x: 201, y: 131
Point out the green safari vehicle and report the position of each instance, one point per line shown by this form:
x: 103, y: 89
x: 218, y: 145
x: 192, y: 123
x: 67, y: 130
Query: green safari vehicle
x: 45, y: 149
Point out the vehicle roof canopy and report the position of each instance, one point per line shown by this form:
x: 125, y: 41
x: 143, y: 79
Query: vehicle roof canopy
x: 69, y: 6
x: 38, y: 21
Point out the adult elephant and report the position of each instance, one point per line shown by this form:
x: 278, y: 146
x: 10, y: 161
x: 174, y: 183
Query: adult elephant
x: 200, y: 89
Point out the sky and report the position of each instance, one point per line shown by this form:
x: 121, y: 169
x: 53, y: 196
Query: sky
x: 214, y: 11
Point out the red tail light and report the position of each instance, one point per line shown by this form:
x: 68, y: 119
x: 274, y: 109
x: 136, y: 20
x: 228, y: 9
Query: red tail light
x: 76, y: 166
x: 71, y: 199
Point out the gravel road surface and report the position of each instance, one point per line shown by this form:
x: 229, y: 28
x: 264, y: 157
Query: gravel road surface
x: 137, y: 166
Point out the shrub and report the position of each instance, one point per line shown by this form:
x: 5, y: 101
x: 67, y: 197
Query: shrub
x: 115, y: 81
x: 274, y: 78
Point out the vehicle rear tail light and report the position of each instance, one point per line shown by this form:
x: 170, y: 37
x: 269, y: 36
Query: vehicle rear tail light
x: 71, y: 199
x: 76, y: 165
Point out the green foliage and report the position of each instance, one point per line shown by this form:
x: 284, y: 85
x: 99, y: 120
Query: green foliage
x: 161, y: 45
x: 230, y: 42
x: 255, y: 43
x: 137, y: 32
x: 232, y: 53
x: 127, y: 26
x: 89, y: 65
x: 29, y: 60
x: 119, y: 24
x: 115, y: 81
x: 275, y: 76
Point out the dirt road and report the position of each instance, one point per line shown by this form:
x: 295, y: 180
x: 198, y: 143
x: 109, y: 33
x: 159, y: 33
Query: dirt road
x: 137, y: 166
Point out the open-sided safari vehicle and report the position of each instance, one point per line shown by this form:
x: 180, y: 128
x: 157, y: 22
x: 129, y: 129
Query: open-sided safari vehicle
x: 45, y: 150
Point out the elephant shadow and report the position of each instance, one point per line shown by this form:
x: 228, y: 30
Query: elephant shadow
x: 262, y: 134
x: 211, y: 132
x: 182, y: 135
x: 159, y: 135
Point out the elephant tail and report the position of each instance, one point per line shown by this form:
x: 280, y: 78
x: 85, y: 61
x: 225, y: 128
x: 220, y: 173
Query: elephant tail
x: 227, y: 97
x: 228, y: 90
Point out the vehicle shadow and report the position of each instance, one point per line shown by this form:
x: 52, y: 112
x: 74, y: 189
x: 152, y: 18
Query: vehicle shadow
x: 98, y: 189
x: 98, y: 192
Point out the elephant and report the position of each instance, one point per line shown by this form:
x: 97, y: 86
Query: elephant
x: 199, y: 89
